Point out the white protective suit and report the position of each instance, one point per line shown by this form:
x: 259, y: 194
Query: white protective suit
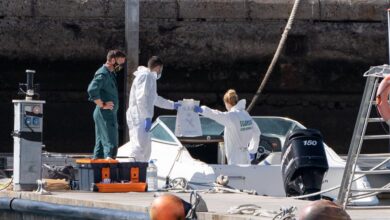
x: 241, y: 134
x: 143, y: 98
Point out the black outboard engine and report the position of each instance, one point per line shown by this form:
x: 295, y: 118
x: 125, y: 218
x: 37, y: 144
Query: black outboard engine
x: 304, y: 163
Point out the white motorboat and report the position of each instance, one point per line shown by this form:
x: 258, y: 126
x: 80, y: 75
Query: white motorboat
x: 200, y: 160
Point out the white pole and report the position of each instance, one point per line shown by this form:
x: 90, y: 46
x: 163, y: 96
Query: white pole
x: 132, y: 50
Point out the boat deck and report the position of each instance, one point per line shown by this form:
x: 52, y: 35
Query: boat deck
x: 217, y: 204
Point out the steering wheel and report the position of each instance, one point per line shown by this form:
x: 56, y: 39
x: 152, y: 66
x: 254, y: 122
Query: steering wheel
x: 262, y: 152
x: 265, y: 148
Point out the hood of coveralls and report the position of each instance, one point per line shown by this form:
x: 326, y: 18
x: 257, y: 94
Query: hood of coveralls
x: 239, y: 106
x: 142, y: 69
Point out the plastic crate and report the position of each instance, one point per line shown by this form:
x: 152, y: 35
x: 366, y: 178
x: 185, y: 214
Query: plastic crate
x: 132, y: 171
x: 95, y: 171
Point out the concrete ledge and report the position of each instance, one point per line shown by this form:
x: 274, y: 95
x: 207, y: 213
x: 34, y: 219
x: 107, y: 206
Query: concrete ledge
x: 354, y: 10
x: 80, y: 8
x: 281, y: 9
x: 225, y: 10
x: 206, y: 9
x: 158, y: 9
x: 16, y: 8
x: 324, y: 10
x: 247, y: 9
x: 87, y: 38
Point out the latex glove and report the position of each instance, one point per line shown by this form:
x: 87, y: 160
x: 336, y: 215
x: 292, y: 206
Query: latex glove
x: 176, y: 105
x: 148, y: 124
x: 252, y: 156
x: 198, y: 109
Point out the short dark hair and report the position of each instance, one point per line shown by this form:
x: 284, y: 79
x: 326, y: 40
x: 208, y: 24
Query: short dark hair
x: 115, y: 54
x: 154, y: 61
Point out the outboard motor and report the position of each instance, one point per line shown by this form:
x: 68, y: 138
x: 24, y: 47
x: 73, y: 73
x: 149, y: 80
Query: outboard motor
x: 303, y: 163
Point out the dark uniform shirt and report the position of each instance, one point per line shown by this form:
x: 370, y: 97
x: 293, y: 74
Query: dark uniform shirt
x: 104, y: 87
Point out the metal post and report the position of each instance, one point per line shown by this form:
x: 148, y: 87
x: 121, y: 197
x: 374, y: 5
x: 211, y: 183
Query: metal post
x: 132, y: 51
x: 357, y: 141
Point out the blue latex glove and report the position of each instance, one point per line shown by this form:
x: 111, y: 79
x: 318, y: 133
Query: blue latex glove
x: 252, y: 156
x: 148, y: 124
x: 176, y: 105
x: 198, y: 109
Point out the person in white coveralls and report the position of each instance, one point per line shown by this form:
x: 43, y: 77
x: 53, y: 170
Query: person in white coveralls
x: 143, y: 98
x: 241, y: 134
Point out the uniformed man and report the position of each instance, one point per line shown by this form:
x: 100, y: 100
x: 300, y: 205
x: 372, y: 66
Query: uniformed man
x: 103, y: 91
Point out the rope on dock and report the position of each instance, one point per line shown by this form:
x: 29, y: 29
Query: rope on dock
x: 5, y: 186
x: 251, y: 209
x: 181, y: 185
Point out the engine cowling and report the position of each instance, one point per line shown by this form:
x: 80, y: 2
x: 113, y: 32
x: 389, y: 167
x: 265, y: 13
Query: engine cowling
x: 304, y: 163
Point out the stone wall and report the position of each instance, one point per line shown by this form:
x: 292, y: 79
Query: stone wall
x: 85, y: 29
x: 208, y: 46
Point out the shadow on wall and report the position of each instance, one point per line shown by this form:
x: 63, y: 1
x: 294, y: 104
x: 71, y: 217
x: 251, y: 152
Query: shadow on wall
x: 321, y: 94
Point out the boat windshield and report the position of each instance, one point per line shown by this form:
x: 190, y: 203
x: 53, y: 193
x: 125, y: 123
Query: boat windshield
x: 275, y: 125
x: 268, y: 125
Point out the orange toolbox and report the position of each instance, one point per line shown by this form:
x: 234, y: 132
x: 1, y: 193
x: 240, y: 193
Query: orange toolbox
x: 96, y: 171
x: 128, y: 171
x: 102, y: 175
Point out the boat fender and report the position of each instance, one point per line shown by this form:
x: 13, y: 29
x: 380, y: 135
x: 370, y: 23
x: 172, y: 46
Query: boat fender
x: 167, y: 206
x: 323, y: 210
x: 382, y: 97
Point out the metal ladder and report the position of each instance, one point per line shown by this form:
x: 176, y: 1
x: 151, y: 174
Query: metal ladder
x: 359, y: 135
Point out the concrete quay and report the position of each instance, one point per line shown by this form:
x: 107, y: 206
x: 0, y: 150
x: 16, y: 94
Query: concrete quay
x: 217, y: 204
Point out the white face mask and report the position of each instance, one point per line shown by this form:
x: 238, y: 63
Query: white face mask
x: 160, y: 74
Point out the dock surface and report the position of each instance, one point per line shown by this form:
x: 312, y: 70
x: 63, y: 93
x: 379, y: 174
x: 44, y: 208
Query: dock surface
x: 218, y: 204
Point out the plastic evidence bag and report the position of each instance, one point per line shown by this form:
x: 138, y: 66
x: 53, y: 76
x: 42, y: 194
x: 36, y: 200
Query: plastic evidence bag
x: 188, y: 121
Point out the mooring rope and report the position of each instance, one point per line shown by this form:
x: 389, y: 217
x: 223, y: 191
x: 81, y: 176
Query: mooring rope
x: 276, y: 55
x: 255, y: 210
